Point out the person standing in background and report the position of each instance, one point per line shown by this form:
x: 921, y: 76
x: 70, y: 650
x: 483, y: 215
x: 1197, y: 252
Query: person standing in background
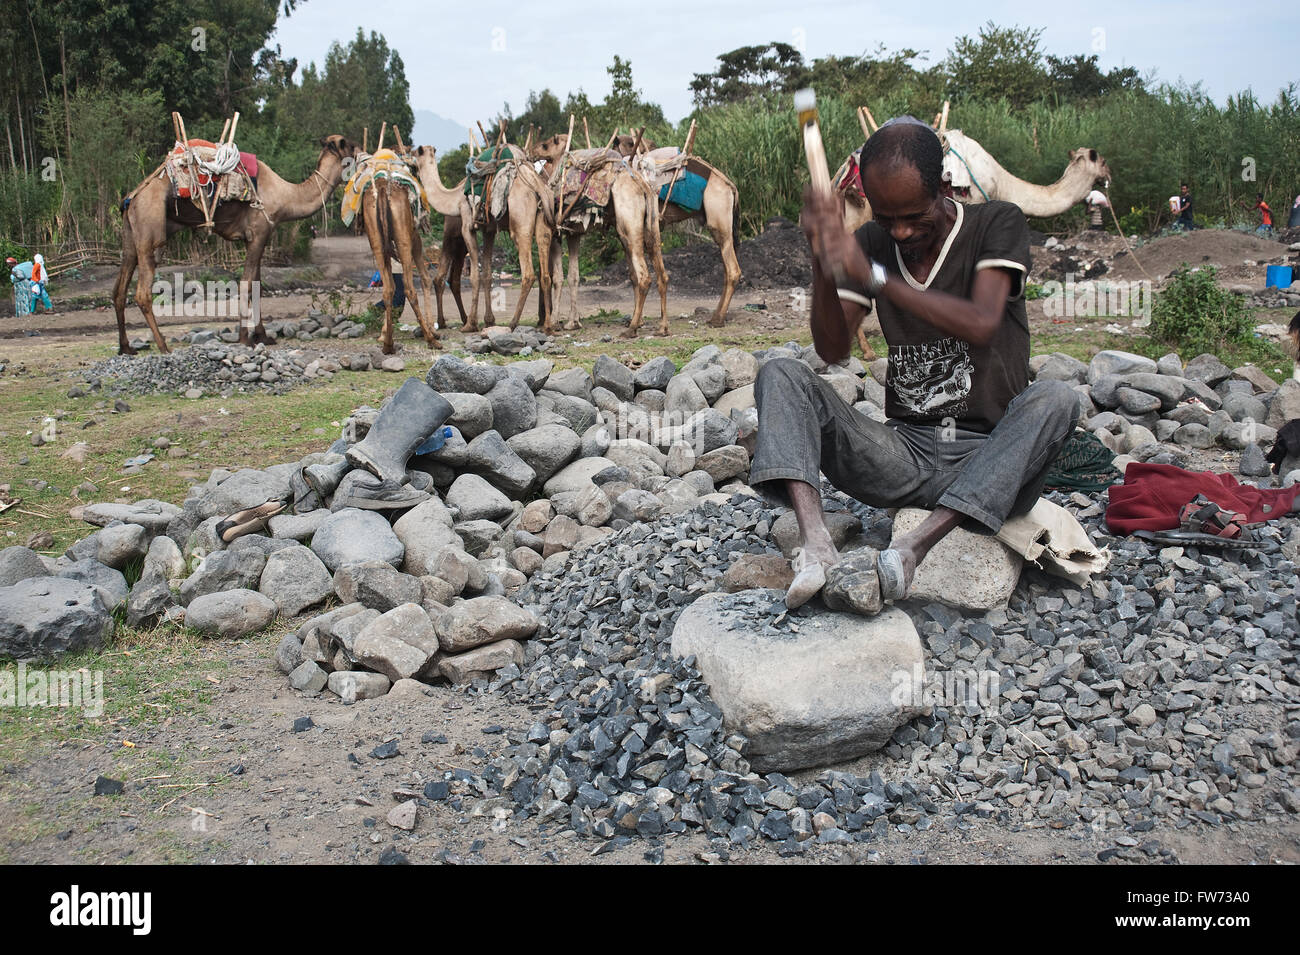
x: 1096, y: 201
x: 1183, y: 206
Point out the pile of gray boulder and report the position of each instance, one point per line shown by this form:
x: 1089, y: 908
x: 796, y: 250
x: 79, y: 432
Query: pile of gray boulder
x: 537, y: 466
x: 1166, y: 412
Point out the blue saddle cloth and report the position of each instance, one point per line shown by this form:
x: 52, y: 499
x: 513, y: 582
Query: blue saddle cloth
x: 688, y: 191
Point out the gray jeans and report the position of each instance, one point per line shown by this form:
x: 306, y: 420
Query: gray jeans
x: 804, y: 427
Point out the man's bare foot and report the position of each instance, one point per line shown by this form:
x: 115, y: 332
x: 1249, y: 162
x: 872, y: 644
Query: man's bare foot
x: 810, y: 567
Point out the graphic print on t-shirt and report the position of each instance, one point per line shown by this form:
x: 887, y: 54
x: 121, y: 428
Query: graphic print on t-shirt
x: 931, y: 378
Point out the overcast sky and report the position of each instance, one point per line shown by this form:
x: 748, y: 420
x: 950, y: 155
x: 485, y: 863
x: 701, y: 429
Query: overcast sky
x: 465, y: 59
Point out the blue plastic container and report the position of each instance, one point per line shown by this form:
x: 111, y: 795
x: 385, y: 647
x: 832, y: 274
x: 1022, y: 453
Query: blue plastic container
x: 1277, y: 276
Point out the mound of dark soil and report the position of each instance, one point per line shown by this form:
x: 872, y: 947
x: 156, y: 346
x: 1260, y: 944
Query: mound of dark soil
x: 777, y: 257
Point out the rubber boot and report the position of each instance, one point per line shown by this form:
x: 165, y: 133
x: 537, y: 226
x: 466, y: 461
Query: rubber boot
x: 404, y: 423
x: 324, y: 478
x: 363, y: 490
x: 303, y: 496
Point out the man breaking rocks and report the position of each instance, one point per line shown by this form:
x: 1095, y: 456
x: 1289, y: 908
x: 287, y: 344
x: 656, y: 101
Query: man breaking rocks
x: 967, y: 437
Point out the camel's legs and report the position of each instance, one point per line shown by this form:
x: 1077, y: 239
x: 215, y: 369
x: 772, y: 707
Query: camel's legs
x: 633, y: 236
x: 545, y: 237
x: 253, y: 273
x: 573, y: 241
x: 552, y: 276
x: 379, y: 249
x: 868, y: 353
x: 485, y: 272
x: 654, y: 246
x: 410, y: 251
x: 457, y: 293
x: 451, y: 268
x: 521, y: 230
x: 719, y: 217
x: 144, y: 290
x: 471, y: 248
x: 120, y: 286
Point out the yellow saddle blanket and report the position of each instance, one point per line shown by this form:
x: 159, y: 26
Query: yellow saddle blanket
x: 384, y: 164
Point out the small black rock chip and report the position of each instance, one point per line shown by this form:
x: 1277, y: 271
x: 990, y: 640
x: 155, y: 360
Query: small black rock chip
x: 108, y: 787
x: 385, y: 750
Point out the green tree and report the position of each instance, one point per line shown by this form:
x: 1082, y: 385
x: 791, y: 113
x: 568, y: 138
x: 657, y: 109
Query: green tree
x: 747, y: 70
x: 541, y: 109
x: 1002, y: 62
x: 360, y: 85
x: 1079, y: 78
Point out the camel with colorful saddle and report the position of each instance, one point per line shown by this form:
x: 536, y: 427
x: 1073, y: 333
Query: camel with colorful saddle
x: 502, y: 189
x: 386, y: 190
x: 592, y: 189
x: 692, y: 190
x: 215, y: 187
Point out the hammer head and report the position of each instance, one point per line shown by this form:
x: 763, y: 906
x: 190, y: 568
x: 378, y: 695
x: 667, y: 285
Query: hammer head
x: 805, y: 104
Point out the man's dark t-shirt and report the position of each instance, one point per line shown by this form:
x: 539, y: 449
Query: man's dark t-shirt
x: 933, y: 376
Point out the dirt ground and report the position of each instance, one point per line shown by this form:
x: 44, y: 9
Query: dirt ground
x: 1239, y: 257
x: 218, y: 774
x: 235, y: 783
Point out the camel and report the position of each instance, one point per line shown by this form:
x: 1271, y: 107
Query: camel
x: 391, y: 229
x: 149, y: 217
x: 528, y: 216
x: 457, y: 236
x: 720, y: 214
x: 634, y: 208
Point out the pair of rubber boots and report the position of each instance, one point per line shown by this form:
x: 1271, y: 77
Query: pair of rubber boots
x: 372, y: 474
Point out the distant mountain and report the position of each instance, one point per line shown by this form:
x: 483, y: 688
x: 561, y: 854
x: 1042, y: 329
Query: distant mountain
x: 437, y: 131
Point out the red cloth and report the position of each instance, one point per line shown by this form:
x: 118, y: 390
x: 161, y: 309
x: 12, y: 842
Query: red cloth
x: 249, y: 162
x: 1153, y: 494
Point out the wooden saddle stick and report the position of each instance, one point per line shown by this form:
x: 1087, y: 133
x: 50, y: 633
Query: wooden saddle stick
x: 365, y: 139
x: 401, y: 146
x: 943, y: 122
x: 194, y: 174
x: 225, y: 128
x: 862, y: 123
x: 686, y: 151
x: 234, y: 125
x: 690, y: 139
x: 559, y: 163
x: 870, y: 119
x: 382, y: 130
x: 586, y: 131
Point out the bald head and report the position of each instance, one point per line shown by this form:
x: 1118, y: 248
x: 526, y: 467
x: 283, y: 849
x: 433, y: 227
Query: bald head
x: 906, y: 142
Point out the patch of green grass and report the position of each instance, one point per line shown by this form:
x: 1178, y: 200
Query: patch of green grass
x: 235, y: 432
